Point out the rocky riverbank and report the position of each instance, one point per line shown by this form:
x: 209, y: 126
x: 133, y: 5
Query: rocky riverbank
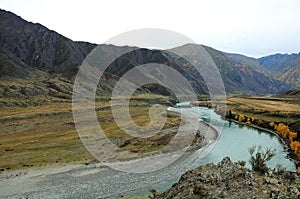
x: 232, y: 180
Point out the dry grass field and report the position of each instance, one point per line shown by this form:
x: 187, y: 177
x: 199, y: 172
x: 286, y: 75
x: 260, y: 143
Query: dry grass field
x: 44, y: 135
x: 266, y: 108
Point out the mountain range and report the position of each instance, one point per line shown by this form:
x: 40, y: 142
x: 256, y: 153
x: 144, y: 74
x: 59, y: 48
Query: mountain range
x: 37, y: 61
x: 282, y: 67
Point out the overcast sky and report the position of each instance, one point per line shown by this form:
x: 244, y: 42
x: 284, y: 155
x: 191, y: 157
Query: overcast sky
x: 253, y: 27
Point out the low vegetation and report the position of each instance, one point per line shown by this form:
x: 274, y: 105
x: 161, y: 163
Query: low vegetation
x: 45, y: 134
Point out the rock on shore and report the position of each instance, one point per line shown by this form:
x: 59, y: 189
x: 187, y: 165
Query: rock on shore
x: 231, y: 180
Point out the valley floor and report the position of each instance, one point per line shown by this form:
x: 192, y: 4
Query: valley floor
x: 45, y: 134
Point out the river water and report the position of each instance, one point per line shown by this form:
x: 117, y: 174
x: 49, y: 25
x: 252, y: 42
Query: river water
x: 234, y: 142
x: 237, y: 138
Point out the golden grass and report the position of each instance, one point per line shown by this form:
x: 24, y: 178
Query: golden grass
x: 40, y: 141
x: 46, y: 134
x: 140, y: 116
x: 270, y: 109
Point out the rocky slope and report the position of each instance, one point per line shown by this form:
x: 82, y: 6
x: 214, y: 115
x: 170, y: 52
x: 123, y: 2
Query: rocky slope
x: 31, y: 51
x: 294, y: 93
x: 282, y: 67
x: 239, y: 77
x: 231, y: 180
x: 38, y: 47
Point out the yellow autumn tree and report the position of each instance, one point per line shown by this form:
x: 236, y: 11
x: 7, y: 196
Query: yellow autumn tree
x: 292, y: 136
x: 272, y: 124
x: 283, y: 130
x: 248, y: 121
x: 295, y: 146
x: 241, y: 118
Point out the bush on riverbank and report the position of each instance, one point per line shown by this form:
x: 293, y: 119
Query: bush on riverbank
x: 259, y: 160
